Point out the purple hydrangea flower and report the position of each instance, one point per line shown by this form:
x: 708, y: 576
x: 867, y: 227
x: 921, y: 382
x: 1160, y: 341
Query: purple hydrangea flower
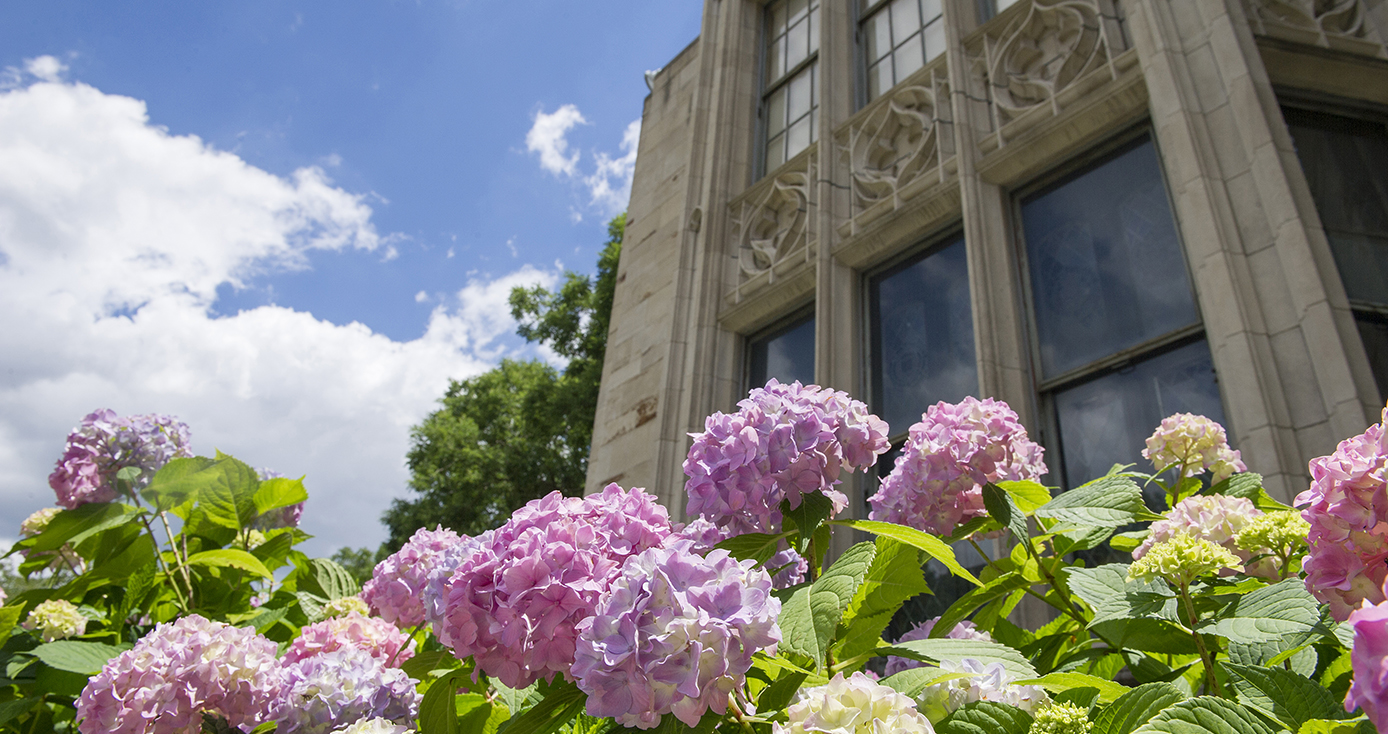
x: 326, y: 691
x: 787, y: 567
x: 172, y: 675
x: 783, y: 442
x: 382, y: 639
x: 104, y: 444
x: 1347, y: 506
x: 962, y: 631
x: 951, y: 453
x: 1368, y: 659
x: 396, y: 590
x: 1217, y: 518
x: 674, y: 634
x: 514, y: 602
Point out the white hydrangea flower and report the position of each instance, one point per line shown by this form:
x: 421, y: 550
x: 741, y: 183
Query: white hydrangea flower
x: 856, y: 705
x: 989, y: 682
x: 56, y: 619
x: 344, y: 606
x: 374, y: 726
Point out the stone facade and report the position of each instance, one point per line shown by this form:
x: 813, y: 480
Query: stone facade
x: 716, y: 252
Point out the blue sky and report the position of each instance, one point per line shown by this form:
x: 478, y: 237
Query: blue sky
x: 203, y: 197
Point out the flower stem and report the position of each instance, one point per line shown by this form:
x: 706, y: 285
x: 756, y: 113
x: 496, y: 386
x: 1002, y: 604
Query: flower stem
x: 168, y: 573
x: 1211, y: 682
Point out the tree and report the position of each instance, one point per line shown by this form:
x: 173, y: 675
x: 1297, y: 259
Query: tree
x: 522, y: 429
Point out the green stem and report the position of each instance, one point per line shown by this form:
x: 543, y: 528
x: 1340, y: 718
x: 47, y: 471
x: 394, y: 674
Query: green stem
x: 168, y: 573
x: 1211, y: 682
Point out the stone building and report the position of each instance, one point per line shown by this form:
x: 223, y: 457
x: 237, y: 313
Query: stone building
x: 1100, y: 211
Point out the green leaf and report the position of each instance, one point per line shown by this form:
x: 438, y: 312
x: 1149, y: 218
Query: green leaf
x: 1290, y: 698
x: 177, y: 482
x: 1106, y: 502
x: 805, y: 518
x: 808, y: 619
x: 273, y: 494
x: 912, y: 681
x: 1027, y: 494
x: 933, y: 546
x: 1249, y: 486
x: 74, y: 656
x: 230, y: 558
x: 9, y: 618
x: 936, y: 650
x: 1205, y: 715
x: 1059, y: 682
x: 757, y: 546
x: 894, y: 577
x: 438, y: 712
x: 136, y: 589
x: 1112, y: 596
x: 1136, y: 707
x: 1002, y: 508
x: 779, y: 694
x: 516, y: 699
x: 1322, y: 726
x: 477, y: 715
x: 335, y: 581
x: 423, y: 664
x: 1269, y: 613
x: 560, y: 705
x: 1146, y: 634
x: 985, y: 717
x: 1129, y: 541
x: 75, y: 526
x: 975, y: 598
x: 11, y: 710
x: 228, y: 495
x: 120, y: 551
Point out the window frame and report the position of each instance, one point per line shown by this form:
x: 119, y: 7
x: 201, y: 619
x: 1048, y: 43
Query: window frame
x: 767, y: 89
x: 923, y: 248
x: 782, y: 325
x: 863, y: 65
x: 1045, y: 389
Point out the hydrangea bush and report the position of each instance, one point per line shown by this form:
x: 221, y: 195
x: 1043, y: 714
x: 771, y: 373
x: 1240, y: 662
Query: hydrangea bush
x: 174, y: 599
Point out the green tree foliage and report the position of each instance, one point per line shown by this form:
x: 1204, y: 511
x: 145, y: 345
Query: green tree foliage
x: 359, y: 562
x: 522, y: 429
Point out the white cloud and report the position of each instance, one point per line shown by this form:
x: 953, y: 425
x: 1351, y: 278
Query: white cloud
x: 547, y: 137
x: 609, y: 184
x: 45, y: 68
x: 611, y: 199
x: 114, y: 237
x: 421, y: 297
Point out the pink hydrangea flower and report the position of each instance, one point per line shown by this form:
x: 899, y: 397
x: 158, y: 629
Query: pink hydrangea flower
x: 1347, y: 507
x: 105, y: 443
x: 785, y: 441
x: 1194, y: 444
x: 787, y: 567
x: 514, y: 603
x: 1217, y: 518
x: 674, y: 634
x: 396, y: 590
x: 172, y: 675
x: 951, y: 453
x: 382, y: 639
x: 327, y: 691
x: 962, y: 631
x: 1369, y: 660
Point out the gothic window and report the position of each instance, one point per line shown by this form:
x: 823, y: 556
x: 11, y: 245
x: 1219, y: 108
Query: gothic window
x: 1119, y: 342
x: 1346, y: 165
x: 898, y: 37
x: 791, y: 93
x: 785, y: 352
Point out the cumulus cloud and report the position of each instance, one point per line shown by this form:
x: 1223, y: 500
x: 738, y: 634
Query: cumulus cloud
x: 548, y: 138
x: 609, y: 184
x: 114, y: 237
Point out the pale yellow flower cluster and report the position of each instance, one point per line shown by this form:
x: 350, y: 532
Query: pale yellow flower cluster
x: 1181, y: 560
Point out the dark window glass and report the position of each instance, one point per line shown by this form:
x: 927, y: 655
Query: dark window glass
x: 1373, y: 329
x: 922, y: 336
x: 787, y: 355
x: 899, y: 37
x: 1106, y: 266
x: 1106, y: 420
x: 789, y: 83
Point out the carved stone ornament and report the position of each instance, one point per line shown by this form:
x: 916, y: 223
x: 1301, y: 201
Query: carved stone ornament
x: 896, y: 140
x: 771, y: 223
x: 1046, y: 48
x: 1342, y: 24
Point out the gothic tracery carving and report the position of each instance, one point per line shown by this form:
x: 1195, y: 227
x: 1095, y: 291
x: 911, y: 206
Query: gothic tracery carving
x: 771, y: 222
x: 1044, y: 51
x: 896, y: 142
x: 1328, y: 23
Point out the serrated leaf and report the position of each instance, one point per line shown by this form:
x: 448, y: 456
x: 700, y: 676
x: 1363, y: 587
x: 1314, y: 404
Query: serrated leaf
x: 1107, y: 590
x: 805, y: 518
x: 560, y: 704
x: 1146, y: 634
x: 912, y: 681
x: 1205, y: 715
x: 933, y: 546
x: 11, y: 710
x: 438, y: 712
x: 760, y: 547
x: 177, y: 482
x: 1058, y: 682
x: 936, y: 650
x: 1290, y: 698
x: 1323, y: 726
x: 75, y: 526
x: 477, y: 715
x: 1004, y: 509
x: 1111, y: 501
x: 1284, y: 608
x: 1027, y: 494
x: 230, y: 558
x: 1248, y: 485
x: 810, y: 616
x: 1136, y: 707
x: 1293, y: 650
x: 985, y: 717
x: 76, y: 656
x: 272, y: 494
x: 1129, y: 541
x: 228, y: 496
x: 975, y: 598
x: 894, y: 576
x: 515, y: 698
x: 335, y: 581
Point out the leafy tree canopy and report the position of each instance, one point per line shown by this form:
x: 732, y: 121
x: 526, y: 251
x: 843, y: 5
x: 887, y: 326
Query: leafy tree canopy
x: 522, y: 429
